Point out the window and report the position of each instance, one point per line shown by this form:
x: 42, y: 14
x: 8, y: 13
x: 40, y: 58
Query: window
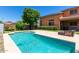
x: 73, y: 23
x: 40, y: 22
x: 51, y: 22
x: 73, y: 11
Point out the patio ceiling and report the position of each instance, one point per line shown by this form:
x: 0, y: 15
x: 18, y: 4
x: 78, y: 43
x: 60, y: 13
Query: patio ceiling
x: 74, y: 17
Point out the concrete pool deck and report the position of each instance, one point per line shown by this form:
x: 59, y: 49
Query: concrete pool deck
x: 52, y: 34
x: 10, y: 46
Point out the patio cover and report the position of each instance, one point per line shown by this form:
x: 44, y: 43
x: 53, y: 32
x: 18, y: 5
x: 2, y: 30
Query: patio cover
x: 74, y: 17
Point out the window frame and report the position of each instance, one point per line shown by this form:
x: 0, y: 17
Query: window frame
x: 72, y: 12
x: 51, y: 22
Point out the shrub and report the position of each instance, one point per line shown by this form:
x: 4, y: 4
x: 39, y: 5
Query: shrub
x: 55, y: 28
x: 8, y: 29
x: 20, y: 25
x: 48, y: 28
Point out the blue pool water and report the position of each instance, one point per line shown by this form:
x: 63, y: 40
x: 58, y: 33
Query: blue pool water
x: 28, y: 42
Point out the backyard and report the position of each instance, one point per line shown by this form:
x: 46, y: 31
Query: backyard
x: 38, y: 39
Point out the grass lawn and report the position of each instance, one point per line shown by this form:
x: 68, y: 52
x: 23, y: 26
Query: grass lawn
x: 54, y: 30
x: 27, y: 30
x: 14, y: 31
x: 7, y: 31
x: 51, y: 30
x: 77, y: 32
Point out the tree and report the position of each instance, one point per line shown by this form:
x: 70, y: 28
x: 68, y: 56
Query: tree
x: 1, y: 22
x: 30, y: 16
x: 20, y: 25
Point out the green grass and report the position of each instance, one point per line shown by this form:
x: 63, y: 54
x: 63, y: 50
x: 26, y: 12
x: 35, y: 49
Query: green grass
x: 7, y: 31
x: 77, y: 32
x: 50, y: 30
x: 54, y: 30
x: 13, y: 31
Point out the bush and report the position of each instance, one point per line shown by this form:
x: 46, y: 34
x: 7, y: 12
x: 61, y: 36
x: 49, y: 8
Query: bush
x: 20, y: 25
x: 8, y: 29
x: 48, y: 28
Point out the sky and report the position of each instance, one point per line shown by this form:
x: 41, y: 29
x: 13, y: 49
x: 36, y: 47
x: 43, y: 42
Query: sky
x: 14, y: 13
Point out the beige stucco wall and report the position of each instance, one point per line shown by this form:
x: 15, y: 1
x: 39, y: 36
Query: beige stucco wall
x: 1, y: 38
x: 1, y: 43
x: 56, y: 18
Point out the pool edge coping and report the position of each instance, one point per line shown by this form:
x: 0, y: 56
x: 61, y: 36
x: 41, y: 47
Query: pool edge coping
x: 76, y: 49
x: 7, y: 50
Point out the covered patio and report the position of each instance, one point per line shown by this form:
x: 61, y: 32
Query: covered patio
x: 69, y: 23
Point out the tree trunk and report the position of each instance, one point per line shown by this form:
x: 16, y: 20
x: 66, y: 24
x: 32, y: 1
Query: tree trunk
x: 30, y: 27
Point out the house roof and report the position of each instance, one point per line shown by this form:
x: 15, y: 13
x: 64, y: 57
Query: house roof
x: 59, y: 12
x: 70, y: 18
x: 9, y: 22
x: 70, y: 8
x: 53, y: 14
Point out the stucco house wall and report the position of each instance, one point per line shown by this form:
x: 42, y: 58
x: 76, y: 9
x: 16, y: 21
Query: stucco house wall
x: 45, y: 20
x: 59, y: 18
x: 1, y: 38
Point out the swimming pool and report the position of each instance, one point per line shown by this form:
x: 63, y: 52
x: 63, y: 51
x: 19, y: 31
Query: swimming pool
x: 29, y: 42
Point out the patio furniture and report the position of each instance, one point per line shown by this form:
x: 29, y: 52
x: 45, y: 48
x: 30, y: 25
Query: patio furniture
x: 67, y: 33
x: 61, y: 33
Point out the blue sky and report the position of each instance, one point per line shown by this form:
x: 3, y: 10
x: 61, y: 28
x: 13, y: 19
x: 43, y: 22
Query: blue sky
x: 14, y: 13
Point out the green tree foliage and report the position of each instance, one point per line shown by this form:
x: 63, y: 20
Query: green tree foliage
x: 20, y: 25
x: 30, y: 16
x: 1, y: 21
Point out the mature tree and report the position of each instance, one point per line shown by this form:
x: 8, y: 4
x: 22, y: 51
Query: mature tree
x: 30, y: 16
x: 20, y: 25
x: 1, y: 21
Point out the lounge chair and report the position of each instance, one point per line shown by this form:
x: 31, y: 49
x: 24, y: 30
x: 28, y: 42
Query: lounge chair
x: 67, y: 33
x: 61, y: 33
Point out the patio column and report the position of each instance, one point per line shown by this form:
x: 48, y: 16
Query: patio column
x: 1, y: 38
x: 78, y: 25
x: 38, y: 23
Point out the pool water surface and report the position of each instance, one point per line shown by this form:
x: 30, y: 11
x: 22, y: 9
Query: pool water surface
x: 29, y: 42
